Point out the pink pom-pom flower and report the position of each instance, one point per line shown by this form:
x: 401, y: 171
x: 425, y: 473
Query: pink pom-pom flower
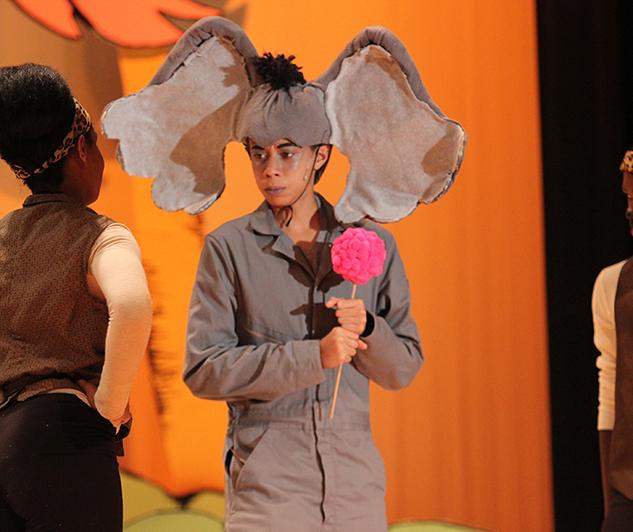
x: 358, y: 255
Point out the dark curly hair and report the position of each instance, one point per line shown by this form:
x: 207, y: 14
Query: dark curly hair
x: 278, y: 71
x: 36, y: 112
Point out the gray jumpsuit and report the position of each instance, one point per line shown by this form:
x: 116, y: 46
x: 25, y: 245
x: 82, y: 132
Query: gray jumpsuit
x: 256, y: 316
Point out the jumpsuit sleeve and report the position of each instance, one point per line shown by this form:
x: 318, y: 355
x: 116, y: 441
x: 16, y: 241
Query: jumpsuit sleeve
x: 394, y: 353
x: 216, y: 367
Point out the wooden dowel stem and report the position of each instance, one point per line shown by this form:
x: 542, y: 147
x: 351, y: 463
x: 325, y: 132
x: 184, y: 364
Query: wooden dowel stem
x: 339, y: 372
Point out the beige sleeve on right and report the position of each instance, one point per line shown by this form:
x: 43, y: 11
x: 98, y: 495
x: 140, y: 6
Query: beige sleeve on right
x: 117, y: 268
x: 603, y: 310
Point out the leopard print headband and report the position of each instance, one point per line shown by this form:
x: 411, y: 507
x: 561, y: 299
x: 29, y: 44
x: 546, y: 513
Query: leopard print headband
x: 80, y: 126
x: 627, y: 162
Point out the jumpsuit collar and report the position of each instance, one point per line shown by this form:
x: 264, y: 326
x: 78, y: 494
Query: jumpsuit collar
x: 263, y: 222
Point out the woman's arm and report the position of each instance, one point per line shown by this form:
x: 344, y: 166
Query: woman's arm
x: 118, y: 271
x: 603, y: 312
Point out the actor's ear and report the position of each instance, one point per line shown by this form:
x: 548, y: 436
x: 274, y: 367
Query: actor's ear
x: 177, y: 127
x: 402, y: 149
x: 323, y: 154
x: 82, y: 148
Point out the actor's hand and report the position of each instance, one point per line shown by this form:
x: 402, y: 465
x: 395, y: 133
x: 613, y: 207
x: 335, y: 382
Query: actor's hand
x: 127, y: 415
x: 339, y: 346
x: 351, y: 313
x: 91, y: 392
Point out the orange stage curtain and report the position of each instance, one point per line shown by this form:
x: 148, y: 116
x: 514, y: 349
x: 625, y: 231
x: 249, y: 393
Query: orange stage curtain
x: 468, y: 441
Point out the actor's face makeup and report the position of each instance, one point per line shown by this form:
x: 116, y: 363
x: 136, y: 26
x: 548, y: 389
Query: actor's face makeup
x: 627, y: 188
x: 281, y: 170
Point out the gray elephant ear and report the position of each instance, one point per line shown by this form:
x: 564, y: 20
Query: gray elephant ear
x: 176, y: 129
x: 402, y: 150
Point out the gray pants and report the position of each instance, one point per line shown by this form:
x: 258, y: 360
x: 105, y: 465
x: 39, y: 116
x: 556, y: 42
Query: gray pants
x: 289, y: 475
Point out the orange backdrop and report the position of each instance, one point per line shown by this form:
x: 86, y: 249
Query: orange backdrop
x: 468, y: 441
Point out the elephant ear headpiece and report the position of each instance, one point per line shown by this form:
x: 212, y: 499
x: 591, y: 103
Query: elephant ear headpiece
x: 371, y: 104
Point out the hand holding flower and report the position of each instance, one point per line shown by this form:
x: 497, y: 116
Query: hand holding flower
x: 357, y: 256
x: 339, y: 346
x: 350, y: 313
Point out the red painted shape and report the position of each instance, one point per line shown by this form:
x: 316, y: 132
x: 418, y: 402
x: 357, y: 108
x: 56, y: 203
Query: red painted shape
x: 132, y: 24
x: 56, y: 15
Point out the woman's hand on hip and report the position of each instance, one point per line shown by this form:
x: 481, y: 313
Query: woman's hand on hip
x: 91, y: 392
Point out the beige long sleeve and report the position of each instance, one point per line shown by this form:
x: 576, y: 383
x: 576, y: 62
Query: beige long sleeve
x: 116, y: 275
x: 603, y: 309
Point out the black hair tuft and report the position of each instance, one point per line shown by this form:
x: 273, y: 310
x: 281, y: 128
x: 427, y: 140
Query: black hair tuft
x: 279, y: 71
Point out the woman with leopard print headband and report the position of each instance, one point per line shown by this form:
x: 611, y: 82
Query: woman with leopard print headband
x: 75, y: 316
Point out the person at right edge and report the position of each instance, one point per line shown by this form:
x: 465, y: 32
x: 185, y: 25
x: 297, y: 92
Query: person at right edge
x: 612, y: 307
